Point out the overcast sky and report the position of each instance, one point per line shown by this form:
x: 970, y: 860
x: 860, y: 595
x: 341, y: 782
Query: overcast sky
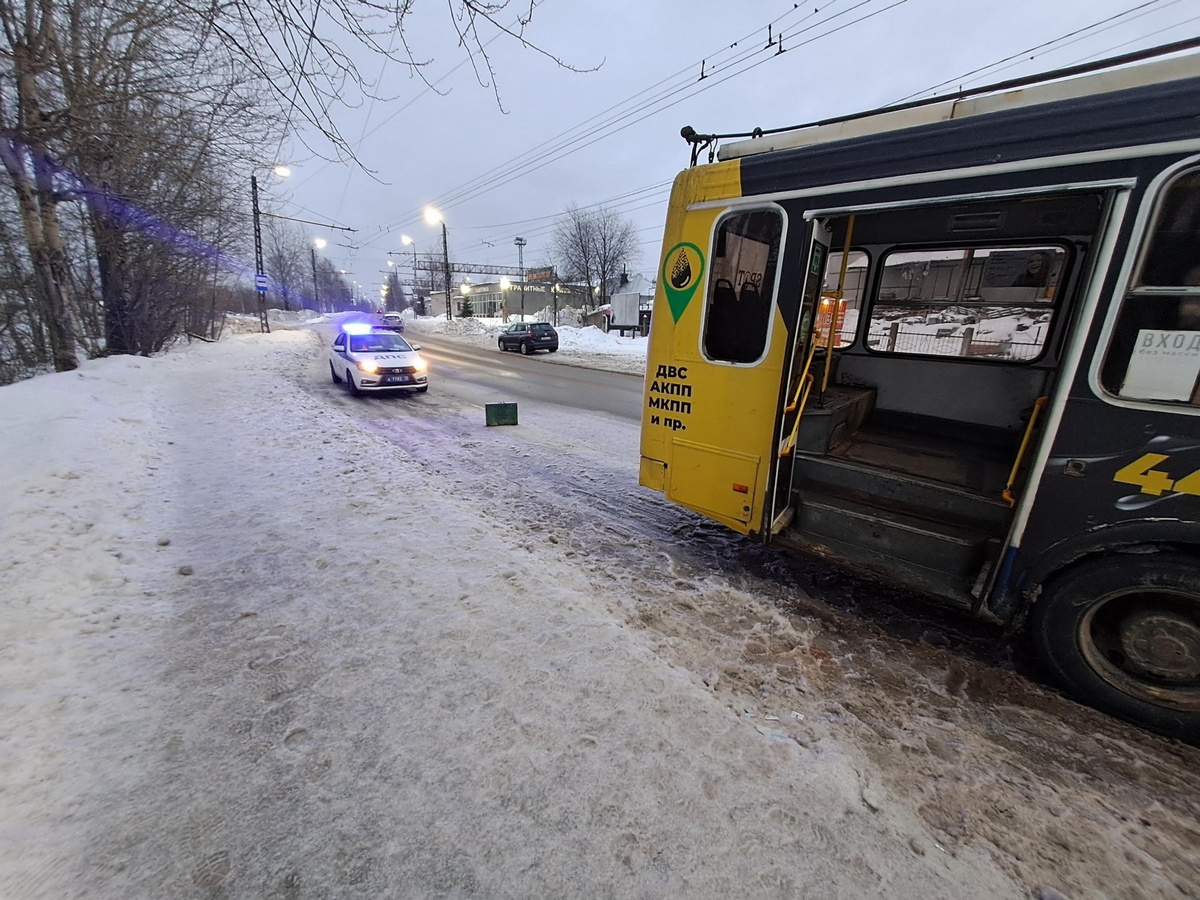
x: 611, y: 136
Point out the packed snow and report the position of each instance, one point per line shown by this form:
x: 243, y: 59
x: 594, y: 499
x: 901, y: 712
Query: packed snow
x: 261, y: 639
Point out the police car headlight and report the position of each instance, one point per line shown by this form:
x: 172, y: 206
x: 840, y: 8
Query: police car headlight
x: 420, y: 365
x: 368, y: 366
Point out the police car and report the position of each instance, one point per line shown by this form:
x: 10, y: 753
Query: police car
x: 372, y: 358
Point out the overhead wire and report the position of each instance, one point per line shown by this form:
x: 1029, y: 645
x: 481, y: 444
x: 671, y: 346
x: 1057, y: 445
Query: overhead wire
x: 552, y: 146
x: 691, y: 82
x: 1022, y: 55
x: 1063, y: 40
x: 695, y: 90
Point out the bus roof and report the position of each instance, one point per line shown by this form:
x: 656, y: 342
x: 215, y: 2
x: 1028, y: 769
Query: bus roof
x: 871, y: 123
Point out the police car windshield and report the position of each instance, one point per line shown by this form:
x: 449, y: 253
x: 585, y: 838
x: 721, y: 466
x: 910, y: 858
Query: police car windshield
x: 378, y: 343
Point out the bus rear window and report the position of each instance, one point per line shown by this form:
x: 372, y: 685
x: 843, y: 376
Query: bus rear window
x: 991, y: 303
x: 741, y: 285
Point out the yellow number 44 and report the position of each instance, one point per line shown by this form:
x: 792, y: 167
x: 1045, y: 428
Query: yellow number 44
x: 1141, y: 472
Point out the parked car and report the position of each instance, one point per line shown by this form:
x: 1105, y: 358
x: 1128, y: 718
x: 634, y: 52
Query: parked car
x: 373, y: 358
x: 529, y: 336
x: 393, y: 321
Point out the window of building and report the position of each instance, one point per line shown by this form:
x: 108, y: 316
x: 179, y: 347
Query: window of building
x: 741, y: 285
x: 994, y: 303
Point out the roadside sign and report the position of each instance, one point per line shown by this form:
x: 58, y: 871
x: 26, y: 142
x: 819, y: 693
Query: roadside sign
x: 260, y: 283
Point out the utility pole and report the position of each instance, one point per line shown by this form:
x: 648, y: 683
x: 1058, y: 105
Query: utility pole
x: 446, y: 264
x: 259, y: 278
x: 316, y: 297
x: 521, y: 242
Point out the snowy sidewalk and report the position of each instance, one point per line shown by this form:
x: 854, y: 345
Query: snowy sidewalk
x: 245, y: 643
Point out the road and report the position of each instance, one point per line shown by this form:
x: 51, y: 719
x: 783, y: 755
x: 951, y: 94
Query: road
x: 466, y: 375
x: 956, y: 716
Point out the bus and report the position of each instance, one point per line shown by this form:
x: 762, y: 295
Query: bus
x: 955, y: 345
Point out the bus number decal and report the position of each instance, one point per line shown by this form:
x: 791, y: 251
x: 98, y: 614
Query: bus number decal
x: 1142, y: 473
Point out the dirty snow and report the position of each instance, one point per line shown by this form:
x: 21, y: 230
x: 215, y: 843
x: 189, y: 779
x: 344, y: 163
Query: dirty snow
x: 261, y: 640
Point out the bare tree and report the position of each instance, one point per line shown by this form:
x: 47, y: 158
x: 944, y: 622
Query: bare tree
x: 287, y: 260
x: 592, y: 246
x: 306, y: 52
x: 141, y: 111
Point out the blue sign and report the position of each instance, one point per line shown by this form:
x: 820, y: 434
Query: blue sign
x: 260, y: 283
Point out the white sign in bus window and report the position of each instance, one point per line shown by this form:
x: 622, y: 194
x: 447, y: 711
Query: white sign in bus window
x: 1165, y: 365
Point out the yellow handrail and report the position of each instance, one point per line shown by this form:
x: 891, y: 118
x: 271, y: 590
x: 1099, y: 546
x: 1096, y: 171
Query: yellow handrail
x: 790, y: 443
x: 1006, y: 494
x: 812, y: 351
x: 803, y: 389
x: 837, y: 305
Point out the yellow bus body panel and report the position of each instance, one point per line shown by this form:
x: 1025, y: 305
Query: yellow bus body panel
x: 707, y: 427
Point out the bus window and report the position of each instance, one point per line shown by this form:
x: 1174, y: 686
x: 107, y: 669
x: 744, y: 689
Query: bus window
x: 1154, y: 352
x: 851, y: 301
x: 1173, y: 249
x: 741, y: 285
x: 981, y: 302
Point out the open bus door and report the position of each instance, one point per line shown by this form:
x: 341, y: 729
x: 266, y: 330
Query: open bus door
x: 800, y: 378
x: 716, y: 361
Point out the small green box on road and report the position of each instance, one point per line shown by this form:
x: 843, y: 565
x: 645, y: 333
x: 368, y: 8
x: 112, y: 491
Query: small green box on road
x: 501, y: 413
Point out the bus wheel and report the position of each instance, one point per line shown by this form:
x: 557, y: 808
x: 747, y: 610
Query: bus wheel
x: 1123, y: 634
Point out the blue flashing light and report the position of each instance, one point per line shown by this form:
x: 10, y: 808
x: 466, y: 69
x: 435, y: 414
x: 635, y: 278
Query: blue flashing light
x: 357, y: 328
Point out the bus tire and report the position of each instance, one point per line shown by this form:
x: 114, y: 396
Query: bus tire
x: 1122, y: 634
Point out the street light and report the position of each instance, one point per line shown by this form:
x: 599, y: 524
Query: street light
x: 409, y: 242
x: 465, y: 289
x: 433, y: 217
x: 521, y: 242
x: 260, y: 278
x: 505, y: 287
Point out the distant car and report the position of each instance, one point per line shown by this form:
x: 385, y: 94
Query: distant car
x: 374, y: 358
x: 529, y: 336
x: 393, y: 321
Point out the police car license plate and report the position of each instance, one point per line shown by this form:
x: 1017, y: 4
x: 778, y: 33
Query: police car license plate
x: 396, y: 379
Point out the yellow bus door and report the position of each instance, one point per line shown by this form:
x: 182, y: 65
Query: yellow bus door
x: 715, y: 364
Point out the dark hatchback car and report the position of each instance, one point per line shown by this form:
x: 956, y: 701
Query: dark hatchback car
x: 529, y: 336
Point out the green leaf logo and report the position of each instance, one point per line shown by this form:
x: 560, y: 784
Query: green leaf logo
x: 682, y: 269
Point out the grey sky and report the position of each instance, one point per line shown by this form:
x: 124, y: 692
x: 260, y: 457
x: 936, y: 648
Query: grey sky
x: 498, y: 173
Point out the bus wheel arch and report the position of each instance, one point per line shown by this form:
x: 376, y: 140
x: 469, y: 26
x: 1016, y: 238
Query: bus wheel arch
x: 1121, y: 631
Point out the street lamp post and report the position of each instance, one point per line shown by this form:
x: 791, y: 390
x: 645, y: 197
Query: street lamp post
x: 407, y: 241
x: 433, y: 216
x: 505, y: 287
x: 418, y: 304
x: 521, y: 242
x: 446, y: 266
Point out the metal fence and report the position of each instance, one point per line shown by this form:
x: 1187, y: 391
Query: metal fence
x: 953, y: 341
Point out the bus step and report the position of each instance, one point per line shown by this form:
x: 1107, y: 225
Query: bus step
x: 945, y: 547
x: 902, y: 492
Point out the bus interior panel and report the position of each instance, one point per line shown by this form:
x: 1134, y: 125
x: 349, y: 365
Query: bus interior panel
x: 947, y: 326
